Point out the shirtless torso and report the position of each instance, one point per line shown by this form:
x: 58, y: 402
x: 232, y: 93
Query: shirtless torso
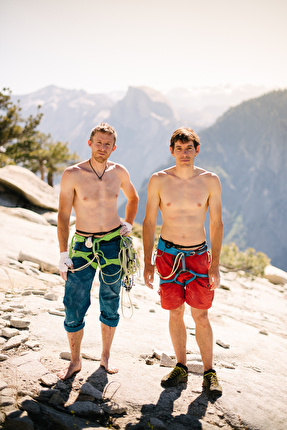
x: 92, y: 188
x: 183, y: 205
x: 94, y: 200
x: 183, y: 193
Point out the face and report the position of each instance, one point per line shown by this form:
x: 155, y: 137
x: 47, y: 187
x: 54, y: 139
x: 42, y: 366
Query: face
x: 102, y: 145
x: 184, y: 152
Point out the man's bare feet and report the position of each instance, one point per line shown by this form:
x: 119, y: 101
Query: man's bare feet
x: 69, y: 370
x: 108, y: 368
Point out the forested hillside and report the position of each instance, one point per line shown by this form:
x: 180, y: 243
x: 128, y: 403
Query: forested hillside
x: 247, y: 148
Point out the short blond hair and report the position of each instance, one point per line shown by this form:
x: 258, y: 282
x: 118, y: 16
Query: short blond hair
x: 104, y: 128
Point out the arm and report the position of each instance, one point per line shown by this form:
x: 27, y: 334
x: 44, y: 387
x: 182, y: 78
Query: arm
x: 65, y: 206
x: 216, y: 231
x: 149, y: 226
x: 132, y: 198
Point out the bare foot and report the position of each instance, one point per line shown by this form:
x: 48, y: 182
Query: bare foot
x: 108, y: 368
x: 69, y: 370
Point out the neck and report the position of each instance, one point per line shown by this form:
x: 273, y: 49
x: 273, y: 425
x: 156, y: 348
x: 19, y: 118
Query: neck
x: 98, y: 164
x: 101, y: 169
x: 184, y: 172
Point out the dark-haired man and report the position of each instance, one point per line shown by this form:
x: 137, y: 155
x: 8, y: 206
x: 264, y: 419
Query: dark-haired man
x: 91, y: 188
x: 184, y: 193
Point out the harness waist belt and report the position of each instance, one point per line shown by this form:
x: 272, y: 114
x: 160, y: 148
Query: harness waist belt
x: 174, y: 245
x: 113, y: 235
x: 98, y: 232
x: 162, y: 246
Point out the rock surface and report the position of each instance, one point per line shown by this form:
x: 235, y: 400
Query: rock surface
x: 23, y: 182
x: 249, y: 321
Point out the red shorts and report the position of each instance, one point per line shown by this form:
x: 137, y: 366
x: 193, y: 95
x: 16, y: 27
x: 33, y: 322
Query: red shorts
x: 188, y: 284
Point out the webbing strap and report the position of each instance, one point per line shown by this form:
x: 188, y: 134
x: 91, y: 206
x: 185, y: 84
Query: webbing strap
x: 174, y: 279
x: 180, y: 256
x: 95, y: 252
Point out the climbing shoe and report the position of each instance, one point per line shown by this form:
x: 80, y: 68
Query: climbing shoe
x: 210, y: 382
x: 177, y: 375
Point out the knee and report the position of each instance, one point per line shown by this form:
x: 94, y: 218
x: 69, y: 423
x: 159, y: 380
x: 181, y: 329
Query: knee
x: 201, y: 318
x: 176, y: 314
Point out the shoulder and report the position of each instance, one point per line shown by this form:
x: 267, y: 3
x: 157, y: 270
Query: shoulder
x: 211, y: 180
x: 76, y: 168
x: 158, y: 180
x: 72, y: 173
x: 207, y: 175
x: 162, y: 175
x: 117, y: 166
x: 119, y: 169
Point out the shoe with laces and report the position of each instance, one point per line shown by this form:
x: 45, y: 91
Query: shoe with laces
x: 210, y: 382
x: 177, y: 375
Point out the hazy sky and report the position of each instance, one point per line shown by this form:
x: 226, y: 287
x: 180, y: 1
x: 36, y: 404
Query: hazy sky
x: 107, y: 45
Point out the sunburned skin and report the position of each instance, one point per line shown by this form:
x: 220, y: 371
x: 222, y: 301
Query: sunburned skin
x: 95, y: 202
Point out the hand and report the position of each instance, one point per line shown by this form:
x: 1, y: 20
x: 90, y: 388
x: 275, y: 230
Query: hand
x: 65, y: 263
x: 125, y: 229
x: 214, y: 277
x: 149, y: 275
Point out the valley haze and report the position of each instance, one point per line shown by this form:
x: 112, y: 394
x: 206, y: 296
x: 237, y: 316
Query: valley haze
x: 243, y: 133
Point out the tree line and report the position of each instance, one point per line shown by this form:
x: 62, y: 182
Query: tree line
x: 22, y: 144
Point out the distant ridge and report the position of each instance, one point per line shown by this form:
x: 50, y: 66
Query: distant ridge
x: 247, y: 147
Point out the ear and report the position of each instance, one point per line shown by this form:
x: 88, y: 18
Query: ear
x: 114, y: 147
x: 171, y: 151
x: 89, y: 142
x: 197, y: 150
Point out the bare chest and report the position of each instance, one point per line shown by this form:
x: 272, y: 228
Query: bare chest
x: 191, y: 196
x: 92, y: 191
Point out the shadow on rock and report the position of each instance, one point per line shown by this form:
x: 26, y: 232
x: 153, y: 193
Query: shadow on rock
x: 160, y: 416
x: 99, y: 379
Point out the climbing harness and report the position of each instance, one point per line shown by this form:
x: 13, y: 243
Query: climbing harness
x: 180, y: 255
x: 127, y: 260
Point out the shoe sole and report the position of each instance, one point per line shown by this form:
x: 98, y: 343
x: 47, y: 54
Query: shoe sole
x: 167, y: 385
x: 212, y: 392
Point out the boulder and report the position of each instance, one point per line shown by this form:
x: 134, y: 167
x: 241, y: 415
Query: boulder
x: 275, y: 275
x: 25, y: 183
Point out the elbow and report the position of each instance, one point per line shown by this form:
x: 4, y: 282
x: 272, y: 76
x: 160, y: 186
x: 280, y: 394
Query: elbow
x: 216, y: 225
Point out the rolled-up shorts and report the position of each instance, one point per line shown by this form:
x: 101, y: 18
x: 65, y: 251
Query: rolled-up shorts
x: 77, y: 298
x: 189, y: 284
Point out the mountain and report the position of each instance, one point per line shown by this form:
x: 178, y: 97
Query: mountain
x: 247, y: 148
x: 144, y: 121
x: 202, y: 106
x: 69, y: 115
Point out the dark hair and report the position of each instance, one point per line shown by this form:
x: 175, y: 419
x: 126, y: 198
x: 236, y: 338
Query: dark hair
x: 104, y: 128
x: 184, y: 134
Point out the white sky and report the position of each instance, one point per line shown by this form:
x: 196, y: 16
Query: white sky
x: 106, y: 45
